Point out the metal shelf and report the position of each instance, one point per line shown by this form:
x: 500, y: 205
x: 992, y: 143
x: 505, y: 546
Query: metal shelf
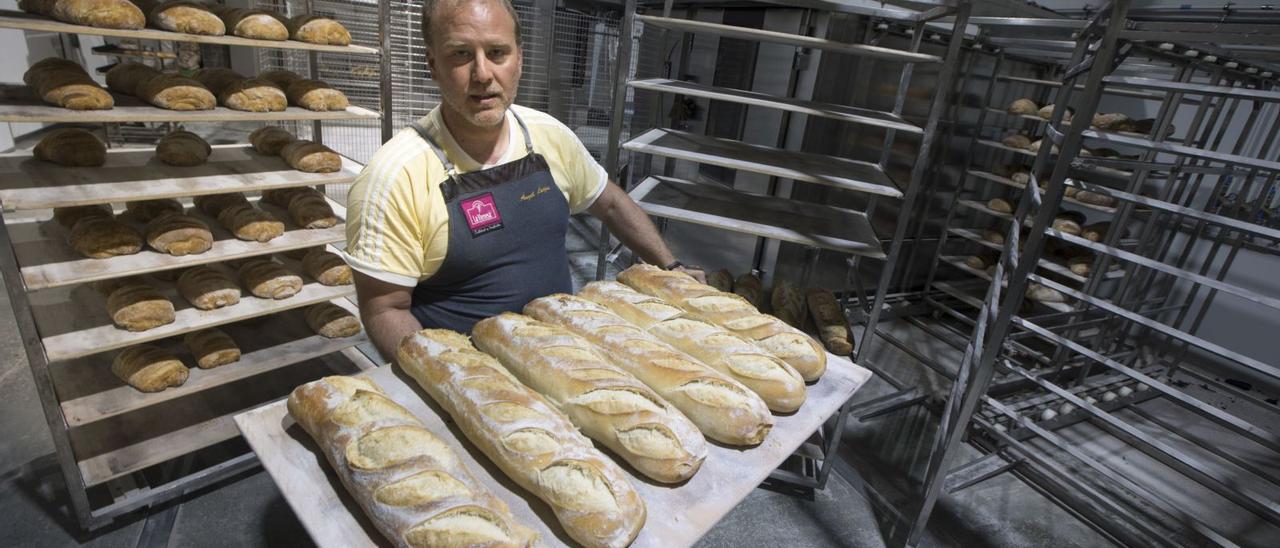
x: 25, y: 21
x: 803, y: 223
x: 1228, y: 222
x: 801, y: 166
x: 958, y: 262
x: 980, y: 207
x: 135, y: 174
x: 744, y: 33
x: 1184, y: 150
x: 18, y: 104
x: 1011, y: 183
x: 854, y: 115
x: 1193, y: 89
x: 974, y: 236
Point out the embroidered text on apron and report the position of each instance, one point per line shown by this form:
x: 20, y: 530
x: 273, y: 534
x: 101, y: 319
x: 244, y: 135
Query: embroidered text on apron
x: 507, y: 228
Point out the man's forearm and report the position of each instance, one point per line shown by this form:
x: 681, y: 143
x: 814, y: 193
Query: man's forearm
x: 634, y: 229
x: 388, y: 327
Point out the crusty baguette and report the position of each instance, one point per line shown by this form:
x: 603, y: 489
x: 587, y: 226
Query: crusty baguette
x: 606, y: 403
x: 412, y: 486
x: 529, y: 439
x: 777, y: 383
x: 722, y: 408
x: 731, y: 312
x: 832, y: 324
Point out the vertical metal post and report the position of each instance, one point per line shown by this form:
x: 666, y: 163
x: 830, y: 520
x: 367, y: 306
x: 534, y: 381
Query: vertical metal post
x: 384, y: 64
x: 546, y: 10
x: 613, y: 149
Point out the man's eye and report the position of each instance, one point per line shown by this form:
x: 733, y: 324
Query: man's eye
x: 497, y: 53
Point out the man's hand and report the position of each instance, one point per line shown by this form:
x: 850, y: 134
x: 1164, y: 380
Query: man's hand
x: 694, y: 271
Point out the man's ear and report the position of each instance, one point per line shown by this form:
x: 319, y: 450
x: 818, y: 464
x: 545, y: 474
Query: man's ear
x: 431, y: 62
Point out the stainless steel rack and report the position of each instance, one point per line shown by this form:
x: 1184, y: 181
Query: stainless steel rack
x: 119, y: 449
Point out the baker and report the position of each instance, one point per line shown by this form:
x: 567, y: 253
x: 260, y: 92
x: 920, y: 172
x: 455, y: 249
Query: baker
x: 463, y: 215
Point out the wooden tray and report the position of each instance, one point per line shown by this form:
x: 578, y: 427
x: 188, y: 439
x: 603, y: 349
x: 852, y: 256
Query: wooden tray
x: 677, y: 516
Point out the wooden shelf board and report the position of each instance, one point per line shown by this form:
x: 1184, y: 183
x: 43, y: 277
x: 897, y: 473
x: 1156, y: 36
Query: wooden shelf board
x: 25, y: 21
x: 19, y: 104
x: 803, y: 223
x: 802, y: 166
x: 121, y: 398
x: 136, y: 174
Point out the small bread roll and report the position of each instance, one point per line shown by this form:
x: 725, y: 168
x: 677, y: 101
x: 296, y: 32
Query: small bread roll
x: 1095, y: 232
x: 250, y: 224
x: 183, y: 149
x: 253, y: 95
x: 149, y: 368
x: 145, y: 211
x: 326, y: 268
x: 316, y: 95
x: 312, y: 211
x: 980, y: 262
x: 71, y: 147
x: 311, y: 157
x: 332, y: 321
x: 208, y: 289
x: 270, y: 139
x: 280, y: 77
x: 251, y: 23
x: 993, y: 237
x: 213, y: 204
x: 139, y: 307
x: 212, y: 348
x: 1025, y: 107
x: 1000, y: 204
x: 1037, y: 292
x: 1035, y: 147
x: 1109, y: 121
x: 174, y: 92
x: 1017, y: 140
x: 1047, y: 113
x: 129, y: 76
x: 183, y: 16
x: 269, y: 280
x: 721, y: 279
x: 69, y: 216
x: 1094, y: 198
x: 179, y: 235
x: 1021, y: 177
x: 65, y: 84
x: 316, y: 29
x: 103, y: 237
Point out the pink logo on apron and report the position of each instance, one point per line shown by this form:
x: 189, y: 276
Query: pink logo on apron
x: 482, y: 214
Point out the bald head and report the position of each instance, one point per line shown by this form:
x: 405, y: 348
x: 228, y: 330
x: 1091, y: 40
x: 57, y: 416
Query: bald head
x: 438, y: 12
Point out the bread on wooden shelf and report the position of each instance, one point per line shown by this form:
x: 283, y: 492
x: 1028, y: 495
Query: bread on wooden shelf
x: 721, y: 279
x: 608, y: 404
x: 1024, y: 106
x: 175, y: 92
x: 69, y: 216
x: 1017, y: 140
x: 316, y: 95
x: 107, y: 14
x: 253, y: 95
x: 1000, y: 205
x: 312, y: 211
x: 529, y: 439
x: 318, y: 29
x: 280, y: 77
x: 981, y: 261
x: 832, y: 324
x: 217, y: 78
x: 1096, y: 232
x: 732, y: 312
x: 251, y: 23
x: 149, y: 368
x: 102, y: 237
x: 412, y: 486
x: 64, y: 83
x: 282, y: 197
x: 71, y: 147
x: 182, y: 16
x: 128, y: 76
x: 183, y: 149
x: 788, y: 304
x: 267, y: 279
x: 326, y: 268
x: 213, y: 204
x: 311, y: 157
x: 332, y: 321
x: 777, y: 383
x: 722, y: 408
x: 250, y: 223
x: 212, y: 348
x: 749, y: 287
x: 145, y: 211
x: 179, y: 235
x: 208, y: 288
x: 270, y: 139
x: 139, y: 307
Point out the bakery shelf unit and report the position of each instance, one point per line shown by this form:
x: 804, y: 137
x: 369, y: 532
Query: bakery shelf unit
x: 120, y: 449
x: 774, y: 215
x: 1120, y: 360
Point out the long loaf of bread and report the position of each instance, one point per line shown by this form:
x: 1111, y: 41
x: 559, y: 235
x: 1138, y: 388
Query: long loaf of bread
x: 606, y: 403
x: 777, y: 383
x: 408, y: 482
x: 529, y: 439
x: 731, y: 312
x: 722, y: 408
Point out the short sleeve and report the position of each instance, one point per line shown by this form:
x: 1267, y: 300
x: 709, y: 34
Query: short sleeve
x: 583, y: 175
x: 384, y: 232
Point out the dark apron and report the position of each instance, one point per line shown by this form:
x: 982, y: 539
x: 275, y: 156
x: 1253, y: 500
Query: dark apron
x: 507, y: 228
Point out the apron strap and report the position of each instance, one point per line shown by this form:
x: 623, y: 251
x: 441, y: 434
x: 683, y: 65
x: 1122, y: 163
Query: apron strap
x: 451, y: 186
x: 528, y: 141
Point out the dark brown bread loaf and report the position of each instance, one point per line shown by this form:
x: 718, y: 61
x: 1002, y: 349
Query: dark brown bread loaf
x: 71, y: 147
x: 179, y: 235
x: 65, y: 84
x: 149, y: 368
x: 139, y: 307
x: 317, y: 29
x: 212, y: 348
x: 270, y: 140
x: 107, y: 14
x: 100, y: 237
x: 183, y: 149
x: 207, y: 288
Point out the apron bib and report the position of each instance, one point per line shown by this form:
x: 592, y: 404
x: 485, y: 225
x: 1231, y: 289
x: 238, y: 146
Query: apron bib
x: 507, y: 227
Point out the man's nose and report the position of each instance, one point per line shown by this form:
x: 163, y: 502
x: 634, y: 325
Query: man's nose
x: 482, y: 71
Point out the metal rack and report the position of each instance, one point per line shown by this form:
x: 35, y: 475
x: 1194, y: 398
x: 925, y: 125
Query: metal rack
x: 120, y: 449
x: 1122, y: 345
x: 776, y: 215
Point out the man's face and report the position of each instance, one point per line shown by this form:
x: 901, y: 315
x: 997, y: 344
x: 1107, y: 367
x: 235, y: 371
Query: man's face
x: 475, y: 61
